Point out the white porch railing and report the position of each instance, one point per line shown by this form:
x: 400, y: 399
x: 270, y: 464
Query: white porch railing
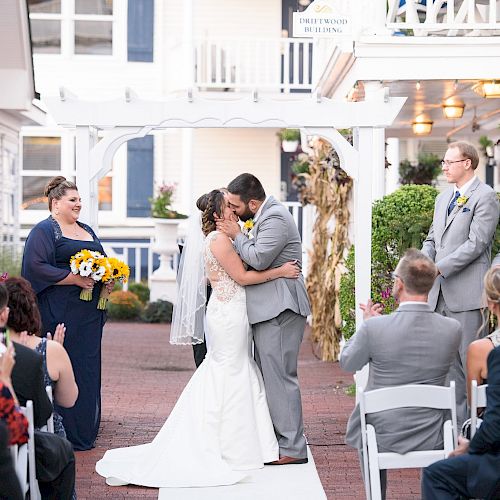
x: 141, y: 257
x: 282, y: 64
x: 444, y: 17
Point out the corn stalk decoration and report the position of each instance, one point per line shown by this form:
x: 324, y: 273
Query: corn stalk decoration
x: 328, y: 188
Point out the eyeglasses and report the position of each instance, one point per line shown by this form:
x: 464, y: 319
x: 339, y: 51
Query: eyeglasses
x: 447, y: 163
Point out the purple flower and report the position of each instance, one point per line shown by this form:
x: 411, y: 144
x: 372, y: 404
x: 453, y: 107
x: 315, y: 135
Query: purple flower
x: 386, y: 293
x: 4, y: 277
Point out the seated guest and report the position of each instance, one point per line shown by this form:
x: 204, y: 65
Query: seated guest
x: 55, y: 460
x: 473, y: 469
x: 58, y: 372
x: 478, y: 351
x: 413, y: 345
x: 10, y: 488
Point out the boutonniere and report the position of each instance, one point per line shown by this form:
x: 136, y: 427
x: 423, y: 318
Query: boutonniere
x: 247, y: 226
x: 461, y: 201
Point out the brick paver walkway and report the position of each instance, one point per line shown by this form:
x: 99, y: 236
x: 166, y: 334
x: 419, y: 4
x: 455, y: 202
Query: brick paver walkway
x: 143, y: 376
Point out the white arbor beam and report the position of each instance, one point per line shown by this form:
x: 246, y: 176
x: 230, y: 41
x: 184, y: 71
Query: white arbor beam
x: 248, y: 112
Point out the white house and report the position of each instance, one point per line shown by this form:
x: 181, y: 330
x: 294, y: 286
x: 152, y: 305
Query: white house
x: 16, y: 109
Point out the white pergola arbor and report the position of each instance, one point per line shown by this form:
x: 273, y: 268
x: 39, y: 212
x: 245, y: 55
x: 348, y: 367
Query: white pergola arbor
x: 131, y: 117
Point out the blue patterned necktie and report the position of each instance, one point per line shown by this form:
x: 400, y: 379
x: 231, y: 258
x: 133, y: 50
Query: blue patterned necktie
x: 453, y: 202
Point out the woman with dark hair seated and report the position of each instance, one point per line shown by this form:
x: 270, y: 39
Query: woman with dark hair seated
x: 25, y: 325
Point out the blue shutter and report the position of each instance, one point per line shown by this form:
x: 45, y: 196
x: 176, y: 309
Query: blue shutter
x: 140, y: 30
x: 140, y: 165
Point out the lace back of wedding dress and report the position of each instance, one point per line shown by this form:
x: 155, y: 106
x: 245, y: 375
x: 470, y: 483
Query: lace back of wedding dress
x: 224, y: 288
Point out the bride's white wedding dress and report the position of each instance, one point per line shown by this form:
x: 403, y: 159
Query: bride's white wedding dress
x: 220, y: 426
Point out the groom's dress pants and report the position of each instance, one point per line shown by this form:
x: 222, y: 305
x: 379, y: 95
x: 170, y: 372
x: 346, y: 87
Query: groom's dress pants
x: 470, y: 322
x: 277, y: 344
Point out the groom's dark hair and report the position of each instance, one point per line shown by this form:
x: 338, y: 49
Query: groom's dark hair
x: 247, y: 187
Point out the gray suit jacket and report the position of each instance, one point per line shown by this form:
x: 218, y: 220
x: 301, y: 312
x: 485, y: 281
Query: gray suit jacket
x: 413, y: 345
x: 276, y: 240
x: 496, y: 260
x: 460, y: 245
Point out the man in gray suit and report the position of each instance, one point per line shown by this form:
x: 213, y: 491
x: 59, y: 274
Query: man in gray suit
x: 413, y: 345
x: 459, y: 242
x: 277, y: 310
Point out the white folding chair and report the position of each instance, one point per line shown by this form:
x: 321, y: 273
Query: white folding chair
x: 477, y: 400
x: 403, y: 396
x: 20, y: 461
x: 32, y: 483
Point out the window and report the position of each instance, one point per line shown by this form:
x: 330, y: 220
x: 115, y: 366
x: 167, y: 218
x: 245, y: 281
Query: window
x: 105, y: 192
x: 87, y: 26
x: 41, y: 161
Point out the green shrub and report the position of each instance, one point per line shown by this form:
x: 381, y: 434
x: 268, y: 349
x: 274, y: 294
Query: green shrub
x: 124, y: 305
x: 158, y: 312
x: 425, y: 171
x: 10, y: 261
x: 400, y: 220
x: 141, y: 290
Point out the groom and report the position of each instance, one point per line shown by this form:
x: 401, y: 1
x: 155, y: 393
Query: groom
x: 277, y: 310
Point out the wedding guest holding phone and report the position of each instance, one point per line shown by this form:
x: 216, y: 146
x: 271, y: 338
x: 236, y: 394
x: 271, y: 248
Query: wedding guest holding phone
x: 46, y: 265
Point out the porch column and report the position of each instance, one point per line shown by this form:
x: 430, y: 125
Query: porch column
x: 187, y: 133
x: 86, y: 139
x: 392, y: 177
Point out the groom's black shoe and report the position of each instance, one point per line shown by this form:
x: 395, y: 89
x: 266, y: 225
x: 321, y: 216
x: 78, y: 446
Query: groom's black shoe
x: 288, y: 461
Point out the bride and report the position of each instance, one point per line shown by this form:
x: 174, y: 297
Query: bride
x: 220, y: 426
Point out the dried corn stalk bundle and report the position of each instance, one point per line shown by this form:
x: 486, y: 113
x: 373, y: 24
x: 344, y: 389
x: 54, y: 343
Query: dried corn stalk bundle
x: 328, y: 188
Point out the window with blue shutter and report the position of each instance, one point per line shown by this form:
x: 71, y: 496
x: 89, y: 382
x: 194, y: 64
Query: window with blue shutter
x: 140, y: 30
x: 140, y: 166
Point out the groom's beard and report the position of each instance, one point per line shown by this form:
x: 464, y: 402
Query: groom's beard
x: 247, y: 214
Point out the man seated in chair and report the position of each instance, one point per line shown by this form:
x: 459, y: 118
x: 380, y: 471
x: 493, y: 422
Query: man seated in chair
x: 473, y: 469
x: 413, y: 345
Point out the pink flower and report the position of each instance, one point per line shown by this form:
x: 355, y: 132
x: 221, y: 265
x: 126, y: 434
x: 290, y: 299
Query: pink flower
x: 4, y: 277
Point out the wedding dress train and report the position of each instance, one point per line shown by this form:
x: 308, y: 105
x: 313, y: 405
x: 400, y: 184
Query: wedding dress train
x: 220, y: 427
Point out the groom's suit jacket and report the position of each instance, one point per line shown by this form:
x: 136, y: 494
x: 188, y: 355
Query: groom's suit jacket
x: 276, y: 240
x: 413, y: 345
x: 460, y: 245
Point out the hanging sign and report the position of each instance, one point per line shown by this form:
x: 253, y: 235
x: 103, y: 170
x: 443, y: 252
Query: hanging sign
x: 322, y: 19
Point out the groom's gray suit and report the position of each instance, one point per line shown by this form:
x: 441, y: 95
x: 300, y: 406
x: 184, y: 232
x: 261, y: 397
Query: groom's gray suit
x: 277, y: 311
x: 460, y: 245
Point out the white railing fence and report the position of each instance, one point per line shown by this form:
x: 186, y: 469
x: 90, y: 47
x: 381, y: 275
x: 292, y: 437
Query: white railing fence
x: 283, y: 64
x: 143, y: 261
x: 444, y: 17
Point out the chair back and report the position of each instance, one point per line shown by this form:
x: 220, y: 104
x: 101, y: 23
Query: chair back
x: 34, y: 491
x: 477, y: 400
x: 404, y: 396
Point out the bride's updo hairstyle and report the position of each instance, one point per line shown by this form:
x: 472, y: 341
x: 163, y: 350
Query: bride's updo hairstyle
x: 57, y: 187
x: 208, y: 204
x: 492, y: 284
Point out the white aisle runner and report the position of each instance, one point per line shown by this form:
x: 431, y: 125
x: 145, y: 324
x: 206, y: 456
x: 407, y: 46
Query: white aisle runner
x: 281, y: 482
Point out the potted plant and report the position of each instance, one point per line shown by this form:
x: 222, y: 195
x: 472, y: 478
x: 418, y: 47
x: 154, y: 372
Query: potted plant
x: 165, y: 242
x: 486, y: 146
x: 290, y: 138
x: 425, y: 171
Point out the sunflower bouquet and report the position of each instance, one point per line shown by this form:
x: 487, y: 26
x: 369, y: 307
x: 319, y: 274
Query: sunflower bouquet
x: 88, y: 263
x: 116, y: 270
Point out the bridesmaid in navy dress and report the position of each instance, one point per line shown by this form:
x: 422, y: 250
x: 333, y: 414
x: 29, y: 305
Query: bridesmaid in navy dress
x: 47, y: 253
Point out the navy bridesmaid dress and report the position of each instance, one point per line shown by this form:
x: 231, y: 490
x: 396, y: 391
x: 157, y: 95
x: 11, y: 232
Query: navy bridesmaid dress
x: 45, y: 262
